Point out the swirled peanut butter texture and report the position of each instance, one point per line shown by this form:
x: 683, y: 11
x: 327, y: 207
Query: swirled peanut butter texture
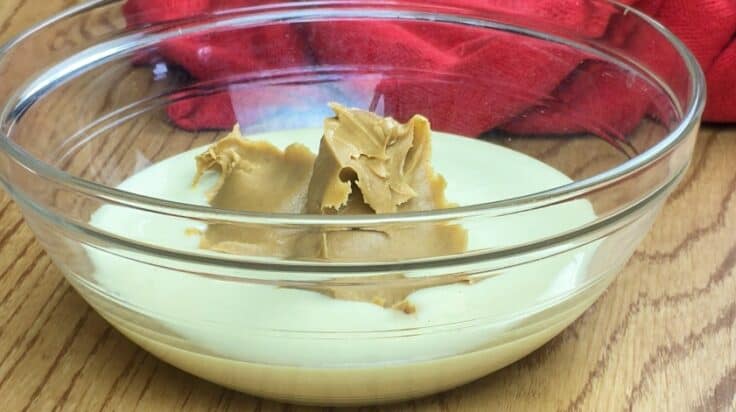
x: 366, y: 164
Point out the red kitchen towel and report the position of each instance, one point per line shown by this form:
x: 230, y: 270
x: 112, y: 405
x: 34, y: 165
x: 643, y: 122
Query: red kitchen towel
x: 524, y: 85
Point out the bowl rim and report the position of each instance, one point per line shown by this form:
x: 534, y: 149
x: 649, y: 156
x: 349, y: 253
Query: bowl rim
x: 690, y: 116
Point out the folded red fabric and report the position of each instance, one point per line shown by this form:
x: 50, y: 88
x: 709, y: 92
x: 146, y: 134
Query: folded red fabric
x: 524, y: 85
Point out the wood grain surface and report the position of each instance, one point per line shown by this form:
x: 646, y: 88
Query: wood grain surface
x: 663, y: 337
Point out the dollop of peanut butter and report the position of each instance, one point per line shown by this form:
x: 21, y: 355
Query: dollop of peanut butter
x: 259, y: 177
x: 373, y: 164
x: 367, y: 164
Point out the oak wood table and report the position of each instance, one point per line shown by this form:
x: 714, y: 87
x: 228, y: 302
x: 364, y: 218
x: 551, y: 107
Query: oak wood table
x: 663, y: 337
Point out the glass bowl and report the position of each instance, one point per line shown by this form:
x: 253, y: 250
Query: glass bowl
x: 559, y: 135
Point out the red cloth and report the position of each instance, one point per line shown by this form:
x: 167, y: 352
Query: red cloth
x: 524, y: 85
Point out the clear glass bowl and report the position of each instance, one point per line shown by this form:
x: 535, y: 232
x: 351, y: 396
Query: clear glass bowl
x: 575, y: 133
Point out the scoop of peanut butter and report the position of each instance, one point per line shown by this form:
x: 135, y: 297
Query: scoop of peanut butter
x: 255, y: 176
x: 371, y: 164
x: 367, y: 164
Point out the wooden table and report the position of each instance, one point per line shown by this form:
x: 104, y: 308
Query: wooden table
x: 663, y: 337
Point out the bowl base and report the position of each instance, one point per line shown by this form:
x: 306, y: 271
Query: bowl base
x: 358, y: 386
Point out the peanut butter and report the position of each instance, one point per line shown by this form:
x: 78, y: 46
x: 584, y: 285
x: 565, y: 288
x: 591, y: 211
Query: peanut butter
x: 367, y: 164
x: 256, y: 177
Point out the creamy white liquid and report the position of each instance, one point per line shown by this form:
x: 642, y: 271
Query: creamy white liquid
x: 239, y: 321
